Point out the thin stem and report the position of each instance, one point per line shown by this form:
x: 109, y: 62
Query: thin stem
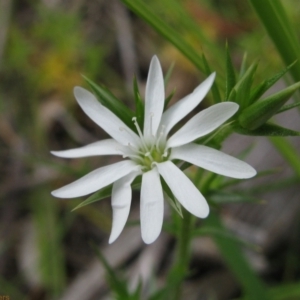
x: 183, y: 251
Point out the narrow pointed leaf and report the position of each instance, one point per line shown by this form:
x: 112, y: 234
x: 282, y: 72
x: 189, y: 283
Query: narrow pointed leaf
x: 230, y: 75
x: 243, y: 87
x: 107, y: 99
x: 169, y: 74
x: 264, y: 86
x: 260, y: 112
x: 243, y: 65
x: 169, y: 98
x: 267, y: 129
x: 214, y: 88
x: 99, y: 195
x: 139, y: 104
x: 288, y: 107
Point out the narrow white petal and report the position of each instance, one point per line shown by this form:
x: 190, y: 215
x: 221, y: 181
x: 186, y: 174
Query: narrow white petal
x: 104, y: 147
x: 103, y: 117
x: 183, y: 189
x: 213, y: 160
x: 180, y: 109
x: 152, y: 206
x: 96, y: 180
x: 203, y: 123
x: 154, y: 98
x: 120, y: 201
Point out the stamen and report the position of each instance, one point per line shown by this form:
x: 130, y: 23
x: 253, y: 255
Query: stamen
x: 135, y: 149
x: 140, y: 133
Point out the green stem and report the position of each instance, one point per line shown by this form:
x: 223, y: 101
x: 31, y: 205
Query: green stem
x: 183, y: 250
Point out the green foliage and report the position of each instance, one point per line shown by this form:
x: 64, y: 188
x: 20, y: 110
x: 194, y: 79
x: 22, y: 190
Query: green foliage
x: 267, y: 129
x: 118, y: 285
x: 273, y: 16
x: 139, y: 104
x: 266, y: 84
x: 230, y: 75
x: 107, y: 99
x: 49, y: 229
x: 260, y: 112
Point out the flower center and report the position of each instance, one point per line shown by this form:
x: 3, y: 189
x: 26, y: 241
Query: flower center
x: 151, y: 151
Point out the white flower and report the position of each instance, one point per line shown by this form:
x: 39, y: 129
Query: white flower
x: 150, y: 154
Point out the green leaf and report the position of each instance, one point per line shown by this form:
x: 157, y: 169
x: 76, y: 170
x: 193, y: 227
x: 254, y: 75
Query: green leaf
x: 272, y: 15
x: 243, y: 86
x: 260, y: 112
x: 118, y: 286
x: 288, y: 107
x: 230, y: 74
x: 107, y: 99
x: 288, y: 291
x: 99, y: 195
x: 222, y: 197
x: 264, y: 86
x: 267, y: 129
x: 168, y: 99
x: 243, y: 65
x: 139, y: 104
x: 288, y: 151
x: 214, y: 88
x: 144, y: 12
x: 169, y: 74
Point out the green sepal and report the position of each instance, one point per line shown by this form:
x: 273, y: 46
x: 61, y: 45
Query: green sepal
x: 139, y: 104
x: 243, y: 87
x: 214, y: 88
x: 230, y: 74
x: 260, y: 112
x: 107, y: 99
x: 264, y: 86
x: 267, y: 129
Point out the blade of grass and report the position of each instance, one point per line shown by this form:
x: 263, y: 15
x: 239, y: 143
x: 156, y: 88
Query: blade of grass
x: 170, y: 34
x: 277, y: 24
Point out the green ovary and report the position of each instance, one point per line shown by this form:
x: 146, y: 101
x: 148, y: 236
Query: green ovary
x: 152, y: 157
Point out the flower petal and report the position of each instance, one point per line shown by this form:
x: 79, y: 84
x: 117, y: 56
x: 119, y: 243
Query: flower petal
x: 152, y: 206
x: 103, y: 117
x: 154, y: 98
x: 180, y: 109
x: 104, y: 147
x: 213, y: 160
x: 120, y: 201
x: 183, y: 189
x: 203, y: 123
x: 96, y: 180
